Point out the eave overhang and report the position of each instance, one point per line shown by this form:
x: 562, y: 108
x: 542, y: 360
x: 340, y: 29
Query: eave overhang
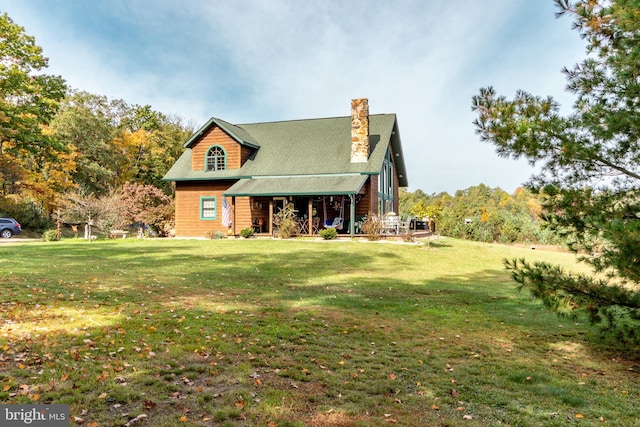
x: 299, y: 185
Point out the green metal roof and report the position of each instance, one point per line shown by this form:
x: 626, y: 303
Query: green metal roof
x: 299, y: 148
x: 298, y: 185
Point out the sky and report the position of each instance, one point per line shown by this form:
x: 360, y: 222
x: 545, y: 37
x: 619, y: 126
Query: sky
x: 250, y: 61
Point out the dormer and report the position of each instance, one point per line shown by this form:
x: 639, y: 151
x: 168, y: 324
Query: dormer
x: 219, y: 146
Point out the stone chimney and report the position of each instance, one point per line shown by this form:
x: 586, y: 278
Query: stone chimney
x: 359, y: 130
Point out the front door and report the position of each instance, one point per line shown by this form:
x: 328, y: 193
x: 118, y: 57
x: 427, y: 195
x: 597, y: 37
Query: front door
x: 278, y: 204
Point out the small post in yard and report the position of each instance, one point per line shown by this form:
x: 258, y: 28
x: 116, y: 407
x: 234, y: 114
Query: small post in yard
x: 87, y: 230
x: 58, y: 223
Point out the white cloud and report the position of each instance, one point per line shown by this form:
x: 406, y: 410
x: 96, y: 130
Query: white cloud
x: 278, y: 60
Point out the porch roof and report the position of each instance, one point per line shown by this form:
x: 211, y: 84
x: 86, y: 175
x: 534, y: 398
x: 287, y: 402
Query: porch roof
x: 298, y: 185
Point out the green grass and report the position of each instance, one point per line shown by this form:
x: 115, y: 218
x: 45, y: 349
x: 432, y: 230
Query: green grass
x: 292, y: 333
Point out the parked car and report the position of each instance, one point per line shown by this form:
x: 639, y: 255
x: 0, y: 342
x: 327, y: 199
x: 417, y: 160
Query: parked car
x: 9, y: 227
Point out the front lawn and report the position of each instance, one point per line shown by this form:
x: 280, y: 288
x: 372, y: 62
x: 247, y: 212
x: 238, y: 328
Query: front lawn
x: 268, y: 332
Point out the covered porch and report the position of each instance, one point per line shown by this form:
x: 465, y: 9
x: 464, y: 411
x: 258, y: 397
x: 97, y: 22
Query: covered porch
x: 313, y: 213
x: 318, y: 202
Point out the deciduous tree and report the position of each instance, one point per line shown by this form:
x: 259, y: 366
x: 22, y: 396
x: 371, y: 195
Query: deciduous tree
x: 147, y: 205
x: 28, y: 101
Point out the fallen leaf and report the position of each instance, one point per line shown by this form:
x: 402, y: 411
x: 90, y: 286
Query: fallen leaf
x: 579, y: 416
x: 103, y: 396
x: 135, y: 420
x: 392, y: 376
x: 150, y: 404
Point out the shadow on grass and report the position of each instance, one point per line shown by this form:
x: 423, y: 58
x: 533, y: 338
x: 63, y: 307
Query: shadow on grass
x: 363, y: 320
x: 291, y: 276
x: 335, y: 275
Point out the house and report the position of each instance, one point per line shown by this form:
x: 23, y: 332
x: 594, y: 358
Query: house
x: 232, y: 176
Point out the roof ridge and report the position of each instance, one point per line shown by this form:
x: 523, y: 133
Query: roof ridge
x: 307, y: 120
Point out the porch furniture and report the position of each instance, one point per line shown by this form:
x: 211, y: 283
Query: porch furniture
x: 335, y: 222
x: 393, y: 225
x: 258, y: 224
x: 316, y: 224
x: 275, y: 227
x: 303, y: 226
x: 418, y: 224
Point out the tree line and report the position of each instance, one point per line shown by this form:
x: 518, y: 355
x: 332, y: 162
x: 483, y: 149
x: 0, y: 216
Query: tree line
x: 63, y: 149
x: 482, y: 213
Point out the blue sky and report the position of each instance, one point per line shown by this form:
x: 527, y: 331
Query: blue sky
x: 249, y: 61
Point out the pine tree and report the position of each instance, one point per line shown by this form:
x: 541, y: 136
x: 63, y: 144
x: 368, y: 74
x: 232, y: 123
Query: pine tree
x: 589, y: 166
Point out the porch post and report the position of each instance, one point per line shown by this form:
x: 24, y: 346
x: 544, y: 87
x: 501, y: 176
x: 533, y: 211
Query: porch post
x: 310, y: 216
x: 271, y: 216
x: 352, y: 213
x: 233, y: 221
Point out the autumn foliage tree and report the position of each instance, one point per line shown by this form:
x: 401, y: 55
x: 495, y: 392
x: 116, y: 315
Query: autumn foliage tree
x: 147, y: 205
x: 481, y: 213
x: 113, y: 142
x: 62, y: 147
x: 30, y: 159
x: 589, y: 163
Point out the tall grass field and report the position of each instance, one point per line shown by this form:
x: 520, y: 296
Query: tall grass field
x: 253, y: 332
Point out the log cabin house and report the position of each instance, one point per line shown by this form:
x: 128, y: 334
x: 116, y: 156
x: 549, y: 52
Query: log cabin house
x: 232, y: 177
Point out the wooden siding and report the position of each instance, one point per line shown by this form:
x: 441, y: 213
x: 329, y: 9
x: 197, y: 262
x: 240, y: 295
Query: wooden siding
x: 246, y: 153
x: 241, y: 213
x: 188, y: 196
x: 235, y: 154
x: 369, y: 201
